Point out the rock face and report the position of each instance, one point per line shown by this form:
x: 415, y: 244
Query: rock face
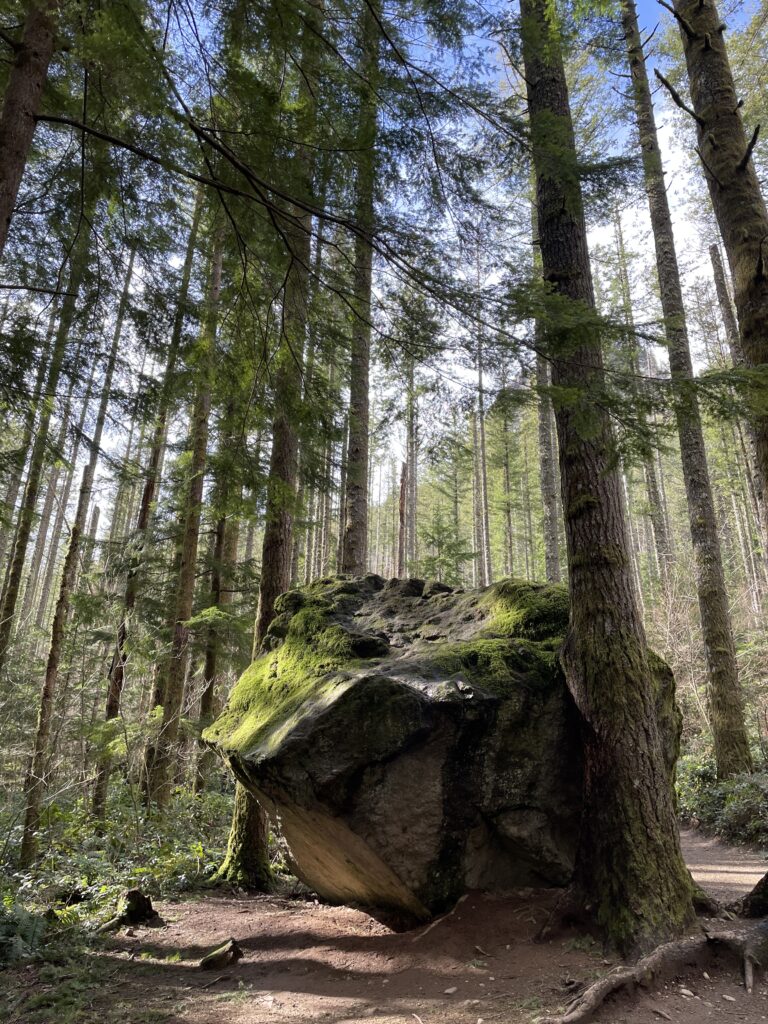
x: 415, y: 741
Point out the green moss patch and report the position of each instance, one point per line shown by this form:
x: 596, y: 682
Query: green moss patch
x: 270, y: 693
x: 534, y: 611
x: 498, y: 665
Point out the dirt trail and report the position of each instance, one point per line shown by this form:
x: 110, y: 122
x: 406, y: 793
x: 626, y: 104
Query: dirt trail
x: 726, y: 872
x: 307, y: 963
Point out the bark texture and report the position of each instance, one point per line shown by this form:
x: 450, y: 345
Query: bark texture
x: 724, y: 692
x: 21, y: 103
x: 354, y: 553
x: 725, y: 152
x: 629, y: 870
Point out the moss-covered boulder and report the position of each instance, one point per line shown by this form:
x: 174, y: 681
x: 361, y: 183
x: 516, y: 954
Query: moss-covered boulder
x: 414, y: 740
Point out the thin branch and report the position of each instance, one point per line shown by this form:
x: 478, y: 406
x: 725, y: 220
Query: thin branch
x: 678, y: 98
x: 742, y: 164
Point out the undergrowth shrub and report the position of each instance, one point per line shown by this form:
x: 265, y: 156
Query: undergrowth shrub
x: 735, y: 809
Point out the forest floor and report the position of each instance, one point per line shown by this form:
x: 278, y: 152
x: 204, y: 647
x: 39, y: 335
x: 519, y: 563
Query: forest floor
x: 307, y: 962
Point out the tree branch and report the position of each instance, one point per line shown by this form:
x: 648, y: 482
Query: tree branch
x: 678, y: 98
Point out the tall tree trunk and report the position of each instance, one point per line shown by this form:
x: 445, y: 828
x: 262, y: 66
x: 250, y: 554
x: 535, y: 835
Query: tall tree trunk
x: 21, y: 103
x: 355, y: 540
x: 277, y: 545
x: 35, y: 780
x: 26, y: 515
x: 547, y: 454
x: 726, y: 705
x: 17, y: 471
x: 160, y: 776
x: 737, y: 358
x: 223, y: 560
x: 116, y: 675
x: 401, y: 507
x: 482, y: 462
x: 740, y: 209
x: 629, y: 871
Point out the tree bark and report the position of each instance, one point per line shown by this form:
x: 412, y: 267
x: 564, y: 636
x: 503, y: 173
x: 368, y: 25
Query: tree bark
x: 726, y: 703
x: 629, y: 871
x: 737, y: 358
x: 35, y: 780
x: 21, y: 103
x: 355, y: 541
x: 740, y: 209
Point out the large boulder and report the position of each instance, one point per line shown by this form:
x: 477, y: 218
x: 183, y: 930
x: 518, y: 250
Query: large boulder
x: 415, y: 741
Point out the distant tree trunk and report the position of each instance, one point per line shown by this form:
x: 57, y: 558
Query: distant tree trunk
x: 355, y: 540
x: 223, y: 560
x: 726, y: 704
x: 509, y: 531
x: 734, y: 187
x: 655, y: 512
x: 247, y: 860
x: 402, y: 504
x: 21, y: 103
x: 412, y: 458
x: 249, y: 818
x: 35, y: 781
x: 482, y: 461
x: 629, y: 871
x: 547, y: 454
x: 116, y: 675
x: 737, y: 358
x: 161, y: 773
x: 26, y: 514
x: 17, y: 472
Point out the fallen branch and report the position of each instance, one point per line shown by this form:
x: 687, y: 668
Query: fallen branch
x: 223, y: 956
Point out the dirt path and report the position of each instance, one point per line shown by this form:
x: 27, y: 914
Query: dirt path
x: 726, y: 872
x: 307, y: 963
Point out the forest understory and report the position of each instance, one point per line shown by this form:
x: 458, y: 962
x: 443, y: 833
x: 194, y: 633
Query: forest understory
x: 383, y: 496
x: 309, y: 962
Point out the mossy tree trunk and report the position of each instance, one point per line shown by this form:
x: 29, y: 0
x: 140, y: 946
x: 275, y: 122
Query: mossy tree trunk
x: 629, y: 873
x: 723, y: 690
x: 725, y: 152
x: 247, y: 859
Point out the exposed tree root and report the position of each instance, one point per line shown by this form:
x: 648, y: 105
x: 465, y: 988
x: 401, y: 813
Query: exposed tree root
x: 748, y: 944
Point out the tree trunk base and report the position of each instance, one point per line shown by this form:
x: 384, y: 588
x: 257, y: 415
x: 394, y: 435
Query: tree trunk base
x: 246, y: 863
x: 748, y: 946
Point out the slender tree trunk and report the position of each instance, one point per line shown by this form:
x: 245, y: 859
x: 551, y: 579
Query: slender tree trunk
x: 726, y: 705
x: 402, y: 503
x: 36, y: 776
x: 62, y: 496
x: 547, y: 456
x: 37, y: 456
x: 734, y: 187
x: 161, y: 772
x: 17, y: 472
x: 629, y: 870
x: 483, y: 467
x: 355, y: 540
x: 737, y: 358
x: 21, y: 103
x: 281, y: 484
x: 116, y: 675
